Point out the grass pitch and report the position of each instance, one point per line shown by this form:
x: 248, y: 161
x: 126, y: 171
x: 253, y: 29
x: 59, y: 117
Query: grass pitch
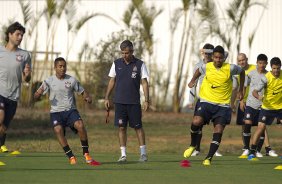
x: 160, y: 169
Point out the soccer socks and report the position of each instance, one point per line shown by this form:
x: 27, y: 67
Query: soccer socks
x: 260, y: 143
x: 267, y: 149
x: 194, y: 134
x: 84, y: 145
x: 199, y: 139
x: 247, y: 136
x: 123, y: 151
x: 214, y: 145
x: 253, y: 149
x: 3, y: 139
x: 143, y: 150
x: 68, y: 151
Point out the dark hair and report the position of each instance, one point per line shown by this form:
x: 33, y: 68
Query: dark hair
x: 208, y: 46
x: 219, y: 49
x: 59, y: 59
x: 262, y: 57
x: 125, y: 44
x: 275, y: 61
x: 12, y: 28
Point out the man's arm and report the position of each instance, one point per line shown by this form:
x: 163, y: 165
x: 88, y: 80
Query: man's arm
x: 193, y: 81
x: 242, y: 80
x: 26, y: 73
x: 145, y: 86
x: 110, y: 87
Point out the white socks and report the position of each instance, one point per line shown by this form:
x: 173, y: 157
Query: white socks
x: 123, y: 151
x: 143, y: 150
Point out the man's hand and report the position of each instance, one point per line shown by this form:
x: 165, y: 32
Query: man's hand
x: 242, y: 105
x: 107, y: 104
x: 88, y: 99
x: 146, y: 105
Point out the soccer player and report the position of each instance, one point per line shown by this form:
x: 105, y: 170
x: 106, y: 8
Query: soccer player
x: 215, y: 95
x: 63, y: 113
x: 194, y: 91
x: 253, y: 105
x: 271, y: 101
x: 126, y: 75
x: 15, y: 67
x: 242, y: 61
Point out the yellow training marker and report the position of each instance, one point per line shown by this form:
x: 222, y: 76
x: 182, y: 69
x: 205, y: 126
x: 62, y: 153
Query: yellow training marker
x: 279, y: 167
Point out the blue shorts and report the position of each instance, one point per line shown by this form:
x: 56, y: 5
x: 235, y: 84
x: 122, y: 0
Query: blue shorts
x: 65, y: 118
x: 240, y: 117
x: 196, y: 107
x: 252, y: 114
x: 267, y: 116
x: 211, y: 112
x: 9, y: 107
x: 131, y: 113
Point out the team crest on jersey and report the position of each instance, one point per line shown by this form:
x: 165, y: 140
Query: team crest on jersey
x: 120, y: 121
x: 67, y: 84
x: 133, y: 75
x: 19, y: 58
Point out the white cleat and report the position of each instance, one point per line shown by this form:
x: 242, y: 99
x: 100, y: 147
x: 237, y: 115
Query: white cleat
x: 195, y: 153
x: 217, y: 154
x: 272, y: 153
x: 258, y: 154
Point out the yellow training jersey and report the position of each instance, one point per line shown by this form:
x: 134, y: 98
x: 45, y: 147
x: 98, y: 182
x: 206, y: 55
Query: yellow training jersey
x: 217, y: 84
x: 272, y: 99
x: 251, y: 67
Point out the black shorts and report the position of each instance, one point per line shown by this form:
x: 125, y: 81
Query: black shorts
x: 240, y: 117
x: 65, y: 118
x: 128, y: 113
x: 267, y: 116
x: 211, y: 112
x: 9, y: 107
x: 196, y: 107
x: 252, y: 114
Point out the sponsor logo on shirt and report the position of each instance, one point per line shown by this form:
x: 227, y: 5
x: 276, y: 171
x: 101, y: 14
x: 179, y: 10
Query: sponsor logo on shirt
x: 133, y: 75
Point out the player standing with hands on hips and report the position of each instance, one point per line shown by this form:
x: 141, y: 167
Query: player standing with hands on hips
x: 15, y: 67
x: 126, y: 75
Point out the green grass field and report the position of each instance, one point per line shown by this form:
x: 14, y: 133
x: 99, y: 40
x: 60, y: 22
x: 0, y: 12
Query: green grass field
x: 161, y: 169
x: 167, y: 135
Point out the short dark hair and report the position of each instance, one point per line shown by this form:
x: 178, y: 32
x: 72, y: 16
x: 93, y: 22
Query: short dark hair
x: 208, y: 46
x: 219, y: 49
x: 59, y: 59
x: 275, y: 61
x: 125, y: 44
x: 262, y: 57
x: 12, y: 28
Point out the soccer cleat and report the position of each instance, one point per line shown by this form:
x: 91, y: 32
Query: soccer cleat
x: 188, y: 152
x: 258, y: 154
x: 245, y: 153
x: 122, y: 159
x: 206, y: 162
x: 252, y: 157
x: 272, y: 153
x: 195, y: 153
x: 217, y: 154
x: 4, y: 149
x: 88, y: 158
x: 72, y: 160
x: 143, y: 158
